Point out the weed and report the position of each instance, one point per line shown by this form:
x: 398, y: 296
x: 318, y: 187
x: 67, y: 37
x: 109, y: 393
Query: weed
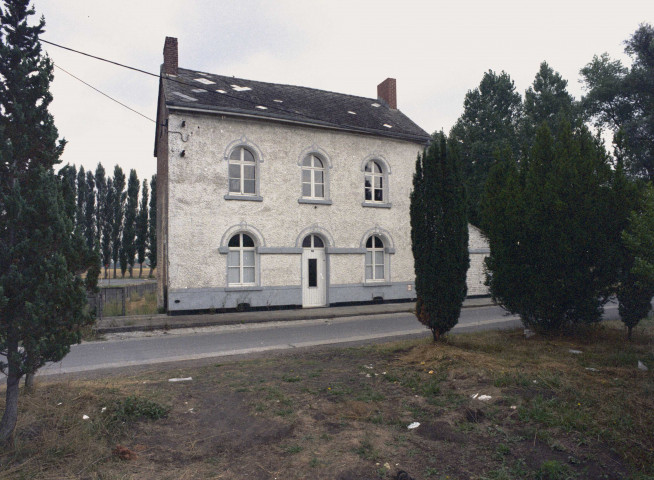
x: 553, y: 470
x: 293, y: 449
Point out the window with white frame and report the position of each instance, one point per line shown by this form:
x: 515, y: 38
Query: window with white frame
x: 242, y: 172
x: 375, y: 182
x: 313, y: 177
x: 241, y: 260
x: 375, y: 264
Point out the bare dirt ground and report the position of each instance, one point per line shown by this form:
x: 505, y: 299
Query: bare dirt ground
x: 344, y: 414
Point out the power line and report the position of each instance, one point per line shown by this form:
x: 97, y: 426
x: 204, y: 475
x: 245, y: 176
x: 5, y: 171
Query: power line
x: 99, y: 58
x: 181, y: 82
x: 102, y: 93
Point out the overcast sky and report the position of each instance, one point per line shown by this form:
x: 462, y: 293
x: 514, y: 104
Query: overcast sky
x: 436, y: 50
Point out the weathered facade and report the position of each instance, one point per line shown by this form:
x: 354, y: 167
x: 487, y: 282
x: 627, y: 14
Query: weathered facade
x: 272, y: 195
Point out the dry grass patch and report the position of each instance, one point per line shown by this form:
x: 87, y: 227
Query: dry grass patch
x: 343, y: 414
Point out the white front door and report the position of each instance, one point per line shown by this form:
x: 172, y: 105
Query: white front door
x: 314, y: 273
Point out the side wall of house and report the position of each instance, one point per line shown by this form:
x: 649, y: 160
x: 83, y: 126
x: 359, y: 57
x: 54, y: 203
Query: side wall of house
x: 162, y: 203
x: 202, y: 216
x: 478, y: 248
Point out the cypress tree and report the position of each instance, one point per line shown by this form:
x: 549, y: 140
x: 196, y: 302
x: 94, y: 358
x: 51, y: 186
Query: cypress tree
x: 142, y: 227
x: 439, y: 235
x: 128, y: 247
x: 68, y: 179
x: 152, y: 229
x: 551, y: 230
x: 117, y: 217
x: 637, y: 283
x: 42, y: 300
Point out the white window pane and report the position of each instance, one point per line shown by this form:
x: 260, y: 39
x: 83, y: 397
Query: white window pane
x: 248, y: 274
x: 306, y: 189
x: 248, y: 186
x: 247, y: 156
x: 379, y: 272
x: 307, y: 161
x: 232, y: 275
x: 248, y: 258
x: 379, y: 258
x: 236, y: 154
x: 368, y: 273
x: 320, y: 191
x: 306, y: 176
x: 377, y: 167
x: 234, y: 171
x: 235, y: 186
x: 378, y: 182
x: 233, y: 259
x: 368, y: 258
x: 319, y: 177
x: 368, y: 168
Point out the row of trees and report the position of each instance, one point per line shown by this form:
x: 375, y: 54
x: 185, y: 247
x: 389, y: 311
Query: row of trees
x: 568, y: 224
x: 110, y: 218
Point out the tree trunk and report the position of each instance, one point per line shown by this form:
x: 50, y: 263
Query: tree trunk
x: 140, y: 269
x: 29, y: 382
x: 629, y: 329
x: 8, y: 422
x: 435, y: 333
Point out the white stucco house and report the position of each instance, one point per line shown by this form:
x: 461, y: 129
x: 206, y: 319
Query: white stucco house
x: 277, y: 195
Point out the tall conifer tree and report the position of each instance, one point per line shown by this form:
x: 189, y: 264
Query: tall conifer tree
x: 439, y: 236
x: 107, y: 226
x: 42, y: 300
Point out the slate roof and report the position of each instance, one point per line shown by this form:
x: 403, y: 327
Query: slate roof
x: 237, y: 96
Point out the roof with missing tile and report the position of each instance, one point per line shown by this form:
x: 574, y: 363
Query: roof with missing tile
x: 236, y: 96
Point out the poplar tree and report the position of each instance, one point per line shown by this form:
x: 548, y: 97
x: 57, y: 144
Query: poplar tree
x: 152, y: 230
x: 107, y: 226
x: 81, y: 200
x: 439, y: 237
x: 118, y: 204
x: 101, y: 199
x: 89, y: 212
x: 142, y: 227
x: 42, y: 300
x: 128, y: 247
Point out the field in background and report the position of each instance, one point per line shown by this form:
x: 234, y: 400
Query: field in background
x: 144, y: 276
x: 491, y: 406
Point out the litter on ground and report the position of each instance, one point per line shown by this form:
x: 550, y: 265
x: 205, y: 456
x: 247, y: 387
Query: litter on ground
x: 642, y: 366
x: 186, y: 379
x: 484, y: 397
x: 575, y: 352
x: 413, y: 425
x: 85, y: 417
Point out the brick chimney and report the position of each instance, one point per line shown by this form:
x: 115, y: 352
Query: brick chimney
x: 170, y: 56
x: 387, y: 91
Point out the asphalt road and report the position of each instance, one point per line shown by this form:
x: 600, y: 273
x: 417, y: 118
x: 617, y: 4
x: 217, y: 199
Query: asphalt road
x: 148, y: 348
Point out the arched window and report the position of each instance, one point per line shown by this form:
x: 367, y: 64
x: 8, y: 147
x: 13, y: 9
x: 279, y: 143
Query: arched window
x: 375, y: 259
x: 241, y: 260
x: 313, y: 177
x: 242, y: 172
x: 312, y: 241
x: 375, y: 182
